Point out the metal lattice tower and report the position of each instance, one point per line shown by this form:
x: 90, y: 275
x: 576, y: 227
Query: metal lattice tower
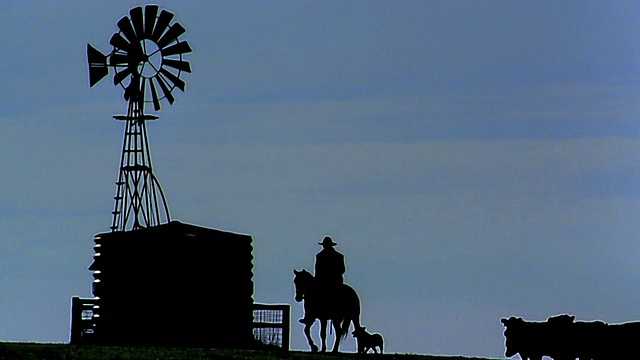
x: 146, y: 51
x: 139, y: 200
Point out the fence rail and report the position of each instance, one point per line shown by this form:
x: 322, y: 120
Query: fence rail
x: 271, y: 322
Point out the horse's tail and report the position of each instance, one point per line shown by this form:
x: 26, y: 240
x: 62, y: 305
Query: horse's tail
x: 356, y: 322
x: 346, y: 323
x: 353, y: 304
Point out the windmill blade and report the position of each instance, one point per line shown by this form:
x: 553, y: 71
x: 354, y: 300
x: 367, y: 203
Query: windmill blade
x: 179, y: 48
x: 125, y: 26
x: 171, y: 35
x: 97, y: 65
x: 162, y: 24
x: 136, y: 19
x: 150, y: 13
x: 119, y: 76
x: 177, y: 64
x: 118, y: 60
x: 119, y: 42
x: 165, y: 90
x: 174, y: 79
x: 154, y: 96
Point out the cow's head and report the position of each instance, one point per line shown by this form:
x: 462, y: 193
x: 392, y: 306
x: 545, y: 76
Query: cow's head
x: 513, y: 335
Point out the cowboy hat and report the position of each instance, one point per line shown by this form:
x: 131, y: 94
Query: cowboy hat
x: 327, y: 241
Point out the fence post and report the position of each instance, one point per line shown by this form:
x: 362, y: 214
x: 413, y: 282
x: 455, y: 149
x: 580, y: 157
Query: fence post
x: 286, y: 329
x: 76, y: 319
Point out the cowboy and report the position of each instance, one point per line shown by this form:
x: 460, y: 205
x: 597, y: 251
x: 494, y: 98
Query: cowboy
x: 330, y: 267
x: 329, y: 270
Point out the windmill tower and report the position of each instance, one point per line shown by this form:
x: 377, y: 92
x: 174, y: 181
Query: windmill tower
x: 147, y: 55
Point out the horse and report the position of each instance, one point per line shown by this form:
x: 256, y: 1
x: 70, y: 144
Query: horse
x: 341, y: 306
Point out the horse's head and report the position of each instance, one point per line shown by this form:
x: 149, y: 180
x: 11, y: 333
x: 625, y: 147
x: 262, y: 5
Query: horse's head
x: 302, y: 281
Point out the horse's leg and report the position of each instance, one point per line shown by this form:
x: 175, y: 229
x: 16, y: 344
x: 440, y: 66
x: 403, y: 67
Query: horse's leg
x: 323, y: 334
x: 338, y: 330
x: 307, y: 332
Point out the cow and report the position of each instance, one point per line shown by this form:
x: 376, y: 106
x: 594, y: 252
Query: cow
x: 533, y: 340
x: 621, y: 341
x: 562, y: 338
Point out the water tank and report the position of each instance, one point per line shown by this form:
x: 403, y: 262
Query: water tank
x: 174, y: 285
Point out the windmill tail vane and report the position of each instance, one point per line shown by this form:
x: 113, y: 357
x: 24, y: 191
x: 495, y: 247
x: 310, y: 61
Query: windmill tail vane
x: 147, y: 60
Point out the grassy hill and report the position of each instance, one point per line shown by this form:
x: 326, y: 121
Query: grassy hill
x: 37, y: 351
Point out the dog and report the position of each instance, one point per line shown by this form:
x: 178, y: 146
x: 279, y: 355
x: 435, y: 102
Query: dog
x: 368, y: 341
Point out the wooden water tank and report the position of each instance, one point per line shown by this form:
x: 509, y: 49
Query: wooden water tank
x: 174, y: 285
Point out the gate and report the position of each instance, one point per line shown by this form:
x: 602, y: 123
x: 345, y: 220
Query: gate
x: 271, y: 324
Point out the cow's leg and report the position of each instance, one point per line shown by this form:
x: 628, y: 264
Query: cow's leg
x: 531, y: 356
x: 307, y: 333
x: 323, y: 334
x: 338, y: 330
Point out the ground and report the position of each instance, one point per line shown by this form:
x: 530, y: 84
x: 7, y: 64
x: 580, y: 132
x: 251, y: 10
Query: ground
x: 33, y: 351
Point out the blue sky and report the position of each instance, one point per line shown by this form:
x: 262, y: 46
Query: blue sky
x: 473, y: 160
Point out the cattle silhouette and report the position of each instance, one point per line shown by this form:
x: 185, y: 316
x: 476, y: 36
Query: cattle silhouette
x: 563, y: 338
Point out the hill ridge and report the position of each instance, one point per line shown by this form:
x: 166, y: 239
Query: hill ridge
x: 48, y: 351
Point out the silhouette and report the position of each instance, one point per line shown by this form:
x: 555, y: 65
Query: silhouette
x: 342, y: 307
x: 525, y: 338
x: 154, y: 277
x: 330, y: 266
x: 147, y: 282
x: 562, y: 338
x: 368, y: 341
x: 147, y: 55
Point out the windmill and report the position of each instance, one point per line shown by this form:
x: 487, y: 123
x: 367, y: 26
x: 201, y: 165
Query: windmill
x: 147, y: 58
x: 149, y: 275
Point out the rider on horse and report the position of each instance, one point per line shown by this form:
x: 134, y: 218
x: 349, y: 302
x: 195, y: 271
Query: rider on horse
x: 330, y: 266
x: 329, y: 269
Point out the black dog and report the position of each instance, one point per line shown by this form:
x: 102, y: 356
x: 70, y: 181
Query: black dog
x: 367, y: 341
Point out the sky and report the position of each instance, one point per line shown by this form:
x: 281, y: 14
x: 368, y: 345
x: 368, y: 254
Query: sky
x: 473, y: 160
